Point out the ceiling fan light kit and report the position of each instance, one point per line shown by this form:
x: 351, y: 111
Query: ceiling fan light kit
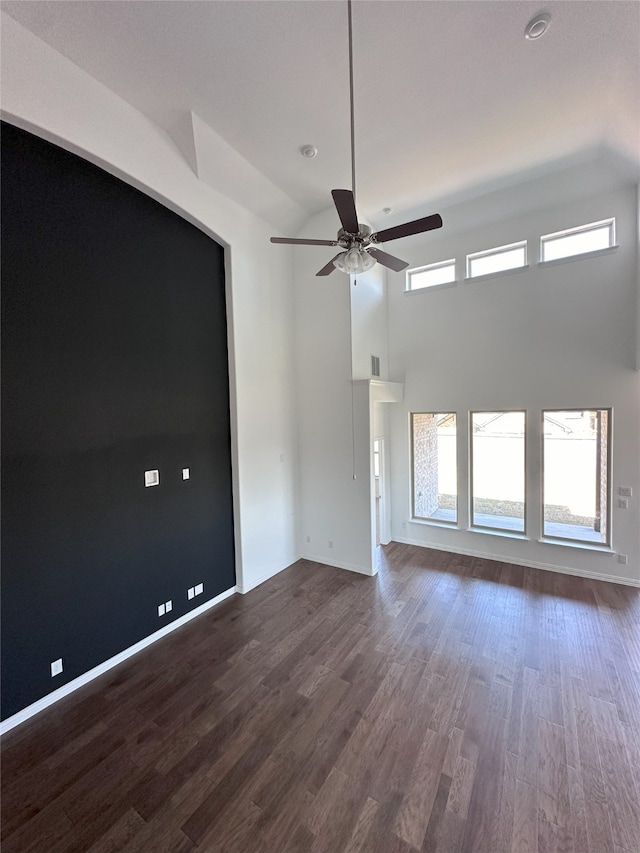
x: 358, y: 243
x: 355, y: 261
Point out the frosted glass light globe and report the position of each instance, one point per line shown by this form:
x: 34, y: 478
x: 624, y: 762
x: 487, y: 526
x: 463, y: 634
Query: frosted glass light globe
x: 355, y: 261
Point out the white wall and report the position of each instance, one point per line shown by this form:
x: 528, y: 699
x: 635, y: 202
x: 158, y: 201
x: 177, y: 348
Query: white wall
x: 369, y: 322
x: 334, y: 507
x: 554, y: 337
x: 44, y: 92
x: 638, y: 282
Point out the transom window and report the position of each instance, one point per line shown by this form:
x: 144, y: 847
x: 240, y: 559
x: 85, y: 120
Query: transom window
x: 433, y: 275
x: 578, y: 241
x: 497, y: 260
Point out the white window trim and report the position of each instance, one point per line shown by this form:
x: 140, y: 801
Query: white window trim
x: 497, y: 250
x: 574, y: 543
x: 499, y: 274
x: 500, y: 531
x: 580, y: 229
x: 435, y: 522
x: 583, y: 256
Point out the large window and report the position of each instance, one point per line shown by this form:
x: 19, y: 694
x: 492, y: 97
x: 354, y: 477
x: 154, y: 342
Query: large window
x: 435, y: 491
x: 575, y: 451
x: 498, y: 470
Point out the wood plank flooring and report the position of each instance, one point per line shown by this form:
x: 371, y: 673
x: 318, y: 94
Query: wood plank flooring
x: 450, y: 705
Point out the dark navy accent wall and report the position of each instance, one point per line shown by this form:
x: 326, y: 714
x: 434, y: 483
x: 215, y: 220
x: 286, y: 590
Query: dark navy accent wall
x: 114, y: 361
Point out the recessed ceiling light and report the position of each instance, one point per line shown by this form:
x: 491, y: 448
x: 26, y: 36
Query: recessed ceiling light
x: 537, y: 26
x: 308, y: 151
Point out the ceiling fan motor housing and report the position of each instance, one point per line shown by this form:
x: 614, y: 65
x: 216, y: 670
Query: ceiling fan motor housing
x: 363, y: 237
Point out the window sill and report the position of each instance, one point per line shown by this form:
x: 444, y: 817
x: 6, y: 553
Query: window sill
x: 583, y: 256
x: 582, y: 546
x: 428, y: 288
x: 436, y: 522
x: 500, y: 274
x: 495, y: 531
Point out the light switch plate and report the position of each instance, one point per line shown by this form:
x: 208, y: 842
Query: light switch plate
x: 185, y: 473
x: 152, y: 478
x: 56, y: 667
x: 161, y: 610
x: 198, y: 588
x: 625, y: 491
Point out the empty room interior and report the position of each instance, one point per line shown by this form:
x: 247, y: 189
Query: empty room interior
x: 320, y: 426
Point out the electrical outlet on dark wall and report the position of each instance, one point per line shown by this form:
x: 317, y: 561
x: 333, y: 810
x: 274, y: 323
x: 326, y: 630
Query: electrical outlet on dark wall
x: 114, y: 362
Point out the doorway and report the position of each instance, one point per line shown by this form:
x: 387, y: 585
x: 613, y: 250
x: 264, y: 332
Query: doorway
x: 382, y: 535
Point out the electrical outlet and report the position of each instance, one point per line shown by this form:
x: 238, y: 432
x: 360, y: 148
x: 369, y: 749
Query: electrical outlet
x: 330, y: 543
x: 625, y: 491
x: 56, y: 667
x: 404, y: 525
x: 190, y: 592
x: 168, y: 607
x: 185, y: 473
x: 152, y: 478
x: 622, y: 558
x: 308, y: 539
x: 198, y: 588
x: 161, y: 610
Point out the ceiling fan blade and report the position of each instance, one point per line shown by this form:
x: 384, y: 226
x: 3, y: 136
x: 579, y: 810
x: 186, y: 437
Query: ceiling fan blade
x: 346, y: 207
x: 388, y: 260
x: 329, y: 268
x: 294, y: 241
x: 417, y: 226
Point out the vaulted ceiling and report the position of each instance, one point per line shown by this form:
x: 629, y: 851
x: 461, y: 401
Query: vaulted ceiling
x: 450, y: 98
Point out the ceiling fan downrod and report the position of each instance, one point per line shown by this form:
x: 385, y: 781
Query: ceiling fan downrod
x: 351, y: 106
x: 359, y: 247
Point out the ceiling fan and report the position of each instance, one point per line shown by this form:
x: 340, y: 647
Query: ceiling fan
x: 358, y: 244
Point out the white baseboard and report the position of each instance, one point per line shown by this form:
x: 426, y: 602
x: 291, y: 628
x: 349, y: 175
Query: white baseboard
x: 339, y: 564
x: 244, y: 588
x: 85, y: 678
x: 533, y: 564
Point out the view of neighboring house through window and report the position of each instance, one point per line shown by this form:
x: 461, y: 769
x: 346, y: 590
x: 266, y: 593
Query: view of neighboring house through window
x: 576, y: 474
x: 435, y: 491
x: 498, y: 470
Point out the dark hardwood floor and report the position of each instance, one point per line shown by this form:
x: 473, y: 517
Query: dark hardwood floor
x: 450, y: 704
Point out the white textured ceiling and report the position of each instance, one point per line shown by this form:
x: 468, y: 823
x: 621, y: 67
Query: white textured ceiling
x: 449, y: 95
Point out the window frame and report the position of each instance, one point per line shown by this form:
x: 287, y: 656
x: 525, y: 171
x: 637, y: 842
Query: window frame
x: 497, y: 250
x: 583, y: 543
x: 502, y: 531
x: 426, y: 519
x: 545, y: 239
x: 426, y: 268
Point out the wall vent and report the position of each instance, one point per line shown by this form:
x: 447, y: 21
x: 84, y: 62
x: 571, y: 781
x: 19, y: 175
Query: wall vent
x: 375, y: 365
